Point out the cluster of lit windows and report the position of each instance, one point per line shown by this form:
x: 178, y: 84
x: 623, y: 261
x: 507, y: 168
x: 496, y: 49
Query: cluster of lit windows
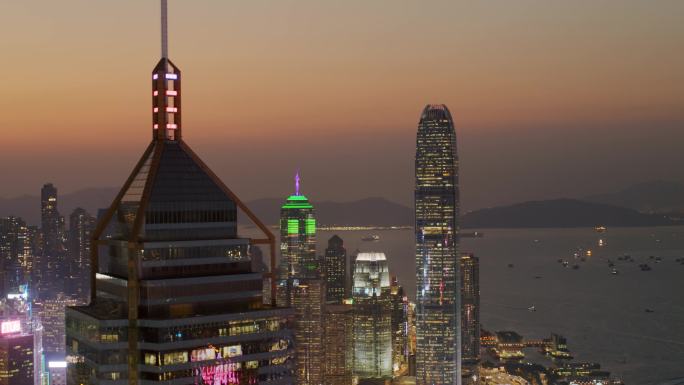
x: 211, y: 353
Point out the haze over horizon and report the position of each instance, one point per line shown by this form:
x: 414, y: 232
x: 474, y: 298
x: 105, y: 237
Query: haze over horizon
x: 549, y: 99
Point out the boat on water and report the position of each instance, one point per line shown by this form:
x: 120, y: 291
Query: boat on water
x: 647, y: 310
x: 371, y: 238
x: 614, y: 271
x: 600, y: 229
x: 472, y: 234
x: 532, y: 308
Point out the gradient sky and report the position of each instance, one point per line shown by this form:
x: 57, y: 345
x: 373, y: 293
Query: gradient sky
x: 550, y: 98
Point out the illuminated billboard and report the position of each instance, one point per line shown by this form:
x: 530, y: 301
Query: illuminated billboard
x: 7, y: 327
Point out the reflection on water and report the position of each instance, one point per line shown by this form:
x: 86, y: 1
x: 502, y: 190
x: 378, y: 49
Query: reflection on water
x: 603, y: 315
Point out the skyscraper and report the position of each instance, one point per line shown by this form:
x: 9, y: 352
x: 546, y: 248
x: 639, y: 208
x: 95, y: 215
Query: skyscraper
x: 298, y: 236
x: 174, y: 297
x: 372, y: 317
x: 400, y: 327
x: 51, y: 221
x: 470, y: 314
x: 301, y: 284
x: 51, y: 267
x: 338, y: 344
x: 16, y: 254
x: 81, y: 225
x: 438, y: 332
x: 335, y: 267
x: 16, y: 354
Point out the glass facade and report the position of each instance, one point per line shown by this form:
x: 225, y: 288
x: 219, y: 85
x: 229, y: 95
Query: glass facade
x: 372, y: 317
x: 338, y: 343
x: 400, y: 328
x: 437, y: 288
x: 470, y: 314
x: 335, y: 268
x: 301, y: 285
x: 81, y: 225
x: 176, y: 299
x: 16, y: 359
x: 16, y: 254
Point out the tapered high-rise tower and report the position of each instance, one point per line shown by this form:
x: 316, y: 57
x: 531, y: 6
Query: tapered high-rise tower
x: 301, y: 285
x: 175, y: 300
x: 437, y: 267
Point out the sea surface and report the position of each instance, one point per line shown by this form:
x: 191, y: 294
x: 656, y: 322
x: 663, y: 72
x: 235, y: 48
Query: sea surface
x: 603, y: 315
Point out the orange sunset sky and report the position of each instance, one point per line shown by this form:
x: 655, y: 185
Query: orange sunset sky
x: 549, y: 98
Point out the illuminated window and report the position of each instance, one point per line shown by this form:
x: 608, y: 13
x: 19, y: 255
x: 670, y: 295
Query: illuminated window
x: 232, y: 351
x: 175, y: 358
x: 150, y: 359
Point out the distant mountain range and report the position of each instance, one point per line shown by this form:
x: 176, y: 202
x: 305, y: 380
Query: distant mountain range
x: 639, y: 205
x: 647, y: 197
x: 369, y: 211
x: 562, y: 213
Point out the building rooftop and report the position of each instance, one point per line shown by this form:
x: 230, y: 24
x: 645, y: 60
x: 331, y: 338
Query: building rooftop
x: 371, y: 256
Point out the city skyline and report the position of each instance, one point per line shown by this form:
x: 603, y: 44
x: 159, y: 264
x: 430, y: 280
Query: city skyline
x: 179, y: 281
x: 598, y: 76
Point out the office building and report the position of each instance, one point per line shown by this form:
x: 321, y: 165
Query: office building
x: 372, y: 317
x: 438, y: 332
x: 335, y: 268
x: 81, y: 225
x: 51, y: 313
x: 338, y: 344
x: 16, y: 354
x: 302, y: 285
x: 16, y: 254
x: 470, y: 315
x: 400, y: 328
x: 174, y: 299
x: 51, y: 269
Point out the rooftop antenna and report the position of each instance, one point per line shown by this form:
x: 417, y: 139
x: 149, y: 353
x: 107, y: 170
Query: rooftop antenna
x: 297, y: 183
x: 164, y: 30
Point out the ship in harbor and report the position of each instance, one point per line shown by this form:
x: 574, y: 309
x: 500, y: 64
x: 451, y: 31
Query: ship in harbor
x: 371, y: 238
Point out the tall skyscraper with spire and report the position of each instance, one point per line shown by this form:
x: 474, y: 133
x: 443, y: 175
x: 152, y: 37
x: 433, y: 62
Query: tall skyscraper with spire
x: 301, y: 285
x: 438, y: 335
x: 174, y: 299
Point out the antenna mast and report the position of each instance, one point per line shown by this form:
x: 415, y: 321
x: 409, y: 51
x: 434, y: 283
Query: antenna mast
x: 164, y: 30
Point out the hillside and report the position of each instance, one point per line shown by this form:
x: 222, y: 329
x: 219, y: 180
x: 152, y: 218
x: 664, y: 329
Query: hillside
x: 656, y: 196
x: 561, y: 213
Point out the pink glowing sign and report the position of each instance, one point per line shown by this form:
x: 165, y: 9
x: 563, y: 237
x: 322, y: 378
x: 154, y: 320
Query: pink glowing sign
x: 10, y: 327
x: 223, y: 374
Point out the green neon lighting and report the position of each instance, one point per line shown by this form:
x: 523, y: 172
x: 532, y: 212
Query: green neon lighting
x: 297, y: 202
x: 297, y: 198
x: 310, y: 226
x: 292, y: 226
